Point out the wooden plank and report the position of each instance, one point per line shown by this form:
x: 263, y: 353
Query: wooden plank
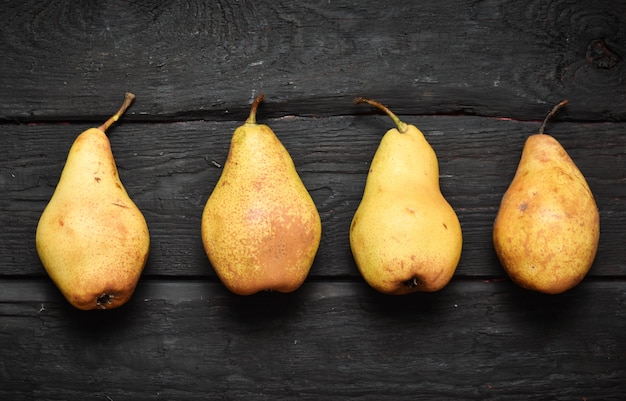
x: 170, y: 170
x: 202, y: 60
x: 194, y: 340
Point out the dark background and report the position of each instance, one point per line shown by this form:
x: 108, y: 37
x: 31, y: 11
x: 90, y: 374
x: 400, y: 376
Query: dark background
x: 476, y: 77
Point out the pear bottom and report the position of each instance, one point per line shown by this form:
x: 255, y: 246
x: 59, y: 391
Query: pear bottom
x: 407, y: 246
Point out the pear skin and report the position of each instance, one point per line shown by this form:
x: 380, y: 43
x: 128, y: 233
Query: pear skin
x: 547, y: 228
x: 260, y: 227
x: 405, y: 237
x: 91, y: 238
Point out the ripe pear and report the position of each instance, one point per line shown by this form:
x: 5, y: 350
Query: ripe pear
x: 91, y: 238
x: 405, y: 237
x: 260, y: 227
x: 547, y: 228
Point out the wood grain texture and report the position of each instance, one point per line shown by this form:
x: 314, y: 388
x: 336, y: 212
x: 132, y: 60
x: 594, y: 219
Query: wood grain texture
x: 201, y: 60
x: 476, y: 76
x: 193, y: 340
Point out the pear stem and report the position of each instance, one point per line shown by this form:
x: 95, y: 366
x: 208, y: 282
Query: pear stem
x: 552, y: 113
x: 402, y: 127
x: 128, y: 99
x: 255, y: 105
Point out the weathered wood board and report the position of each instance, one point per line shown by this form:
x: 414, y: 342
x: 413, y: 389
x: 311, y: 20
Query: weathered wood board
x: 476, y: 77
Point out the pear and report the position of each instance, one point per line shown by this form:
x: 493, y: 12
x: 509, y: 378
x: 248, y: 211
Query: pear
x: 91, y: 238
x: 260, y: 227
x: 547, y: 228
x: 405, y: 237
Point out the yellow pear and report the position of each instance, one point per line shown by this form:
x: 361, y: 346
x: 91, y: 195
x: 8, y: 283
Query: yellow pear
x: 547, y: 228
x: 91, y: 238
x: 260, y: 227
x: 405, y: 236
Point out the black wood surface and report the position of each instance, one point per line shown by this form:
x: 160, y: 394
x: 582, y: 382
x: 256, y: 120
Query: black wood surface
x: 475, y: 76
x: 193, y: 340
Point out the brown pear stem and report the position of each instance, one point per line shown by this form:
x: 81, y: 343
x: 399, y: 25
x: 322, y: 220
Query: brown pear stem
x: 255, y: 105
x: 402, y: 127
x: 128, y: 99
x: 552, y: 113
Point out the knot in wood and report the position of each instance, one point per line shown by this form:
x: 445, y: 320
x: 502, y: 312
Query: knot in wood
x: 601, y: 56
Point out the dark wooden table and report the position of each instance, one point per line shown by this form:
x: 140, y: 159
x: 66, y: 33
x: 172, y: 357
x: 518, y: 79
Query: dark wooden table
x: 476, y: 76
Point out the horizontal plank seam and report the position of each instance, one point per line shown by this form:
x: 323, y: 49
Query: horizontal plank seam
x: 239, y: 117
x: 311, y: 279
